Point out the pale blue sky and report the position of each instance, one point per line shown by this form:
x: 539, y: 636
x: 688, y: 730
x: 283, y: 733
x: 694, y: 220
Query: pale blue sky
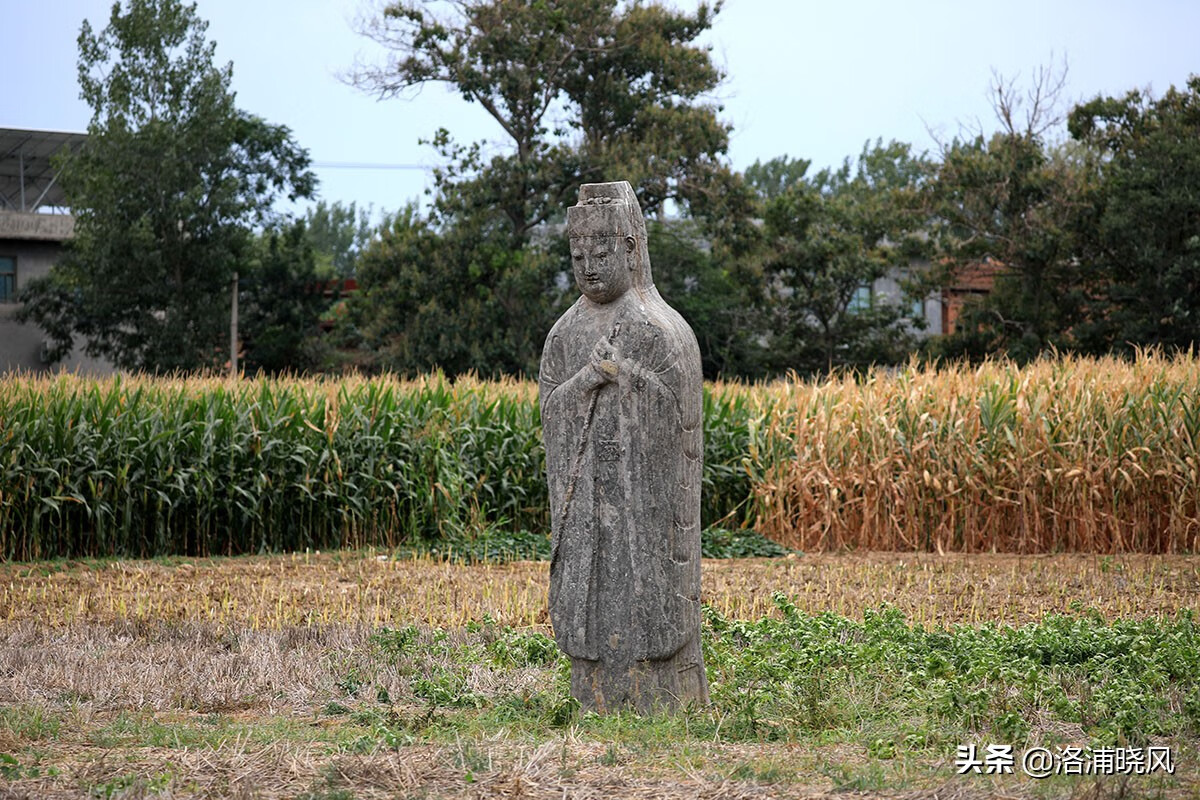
x: 806, y: 79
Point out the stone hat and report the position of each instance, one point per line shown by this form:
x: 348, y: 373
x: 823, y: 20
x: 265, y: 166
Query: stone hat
x: 606, y: 209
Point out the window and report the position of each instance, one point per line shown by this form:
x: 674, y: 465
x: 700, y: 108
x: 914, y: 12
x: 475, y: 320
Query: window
x: 8, y: 279
x: 918, y: 308
x: 861, y: 301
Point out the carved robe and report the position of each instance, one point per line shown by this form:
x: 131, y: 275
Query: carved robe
x: 624, y: 464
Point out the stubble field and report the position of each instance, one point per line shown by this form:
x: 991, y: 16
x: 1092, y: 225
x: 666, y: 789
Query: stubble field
x: 356, y: 674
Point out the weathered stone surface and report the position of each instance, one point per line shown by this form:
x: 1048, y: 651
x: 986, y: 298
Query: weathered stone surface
x: 620, y: 388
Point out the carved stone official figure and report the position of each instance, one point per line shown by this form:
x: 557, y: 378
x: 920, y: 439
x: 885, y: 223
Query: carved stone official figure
x: 620, y: 388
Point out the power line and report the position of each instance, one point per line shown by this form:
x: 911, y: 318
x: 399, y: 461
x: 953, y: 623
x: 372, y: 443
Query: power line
x: 365, y: 165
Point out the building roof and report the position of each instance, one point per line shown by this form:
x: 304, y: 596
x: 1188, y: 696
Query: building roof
x: 27, y: 179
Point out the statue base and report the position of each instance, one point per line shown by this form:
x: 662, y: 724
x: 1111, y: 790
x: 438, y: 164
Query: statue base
x: 642, y: 686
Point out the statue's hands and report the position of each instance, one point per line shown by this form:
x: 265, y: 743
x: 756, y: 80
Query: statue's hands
x: 605, y: 362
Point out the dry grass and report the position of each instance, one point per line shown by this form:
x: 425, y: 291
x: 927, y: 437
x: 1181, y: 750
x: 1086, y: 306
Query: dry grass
x: 200, y: 710
x: 210, y: 678
x: 560, y: 767
x: 175, y: 709
x: 372, y: 589
x: 197, y: 709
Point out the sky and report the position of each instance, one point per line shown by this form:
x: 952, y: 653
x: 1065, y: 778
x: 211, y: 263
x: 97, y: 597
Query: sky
x: 812, y: 80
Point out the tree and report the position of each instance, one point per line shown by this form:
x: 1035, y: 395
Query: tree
x: 776, y: 176
x: 1012, y: 202
x: 583, y: 91
x: 450, y: 299
x: 1015, y: 201
x: 1144, y: 240
x: 828, y: 238
x: 338, y: 235
x: 165, y: 192
x: 711, y: 292
x: 280, y: 302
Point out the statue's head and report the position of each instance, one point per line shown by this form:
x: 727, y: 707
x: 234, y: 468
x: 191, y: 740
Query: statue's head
x: 608, y: 241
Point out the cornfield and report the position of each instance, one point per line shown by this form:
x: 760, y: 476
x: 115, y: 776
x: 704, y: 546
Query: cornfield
x: 1063, y: 455
x: 195, y: 466
x: 1070, y: 454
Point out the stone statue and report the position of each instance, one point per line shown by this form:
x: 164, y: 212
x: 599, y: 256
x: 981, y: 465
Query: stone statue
x: 620, y: 389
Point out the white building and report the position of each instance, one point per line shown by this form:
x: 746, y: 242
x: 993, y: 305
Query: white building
x: 34, y: 224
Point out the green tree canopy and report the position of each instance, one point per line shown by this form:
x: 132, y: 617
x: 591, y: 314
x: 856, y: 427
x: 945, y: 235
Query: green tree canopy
x: 1016, y: 202
x: 1144, y: 241
x: 587, y: 90
x: 827, y: 239
x: 712, y: 292
x: 774, y: 177
x: 583, y: 91
x: 338, y: 234
x: 280, y: 300
x: 450, y: 299
x: 166, y: 191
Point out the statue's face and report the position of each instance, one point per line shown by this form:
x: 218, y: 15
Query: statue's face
x: 603, y: 266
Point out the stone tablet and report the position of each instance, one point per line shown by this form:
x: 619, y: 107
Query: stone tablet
x: 620, y: 389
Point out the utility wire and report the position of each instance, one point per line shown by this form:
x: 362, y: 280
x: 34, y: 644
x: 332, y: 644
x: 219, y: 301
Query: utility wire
x: 365, y: 165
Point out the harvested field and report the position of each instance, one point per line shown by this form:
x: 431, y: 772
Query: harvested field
x: 349, y: 674
x: 370, y: 588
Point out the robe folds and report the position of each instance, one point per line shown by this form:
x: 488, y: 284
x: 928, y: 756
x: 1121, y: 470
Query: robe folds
x: 624, y: 466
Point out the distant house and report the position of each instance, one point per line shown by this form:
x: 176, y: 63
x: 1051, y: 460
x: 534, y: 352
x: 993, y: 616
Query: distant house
x: 34, y: 224
x: 973, y: 281
x: 889, y: 289
x: 941, y: 309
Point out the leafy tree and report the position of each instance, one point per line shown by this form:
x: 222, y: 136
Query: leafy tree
x: 450, y: 299
x: 165, y: 192
x: 827, y: 239
x: 338, y: 234
x: 1016, y: 202
x: 712, y: 292
x: 1144, y: 240
x: 1011, y: 202
x: 280, y: 301
x: 776, y: 176
x: 588, y: 90
x: 583, y: 91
